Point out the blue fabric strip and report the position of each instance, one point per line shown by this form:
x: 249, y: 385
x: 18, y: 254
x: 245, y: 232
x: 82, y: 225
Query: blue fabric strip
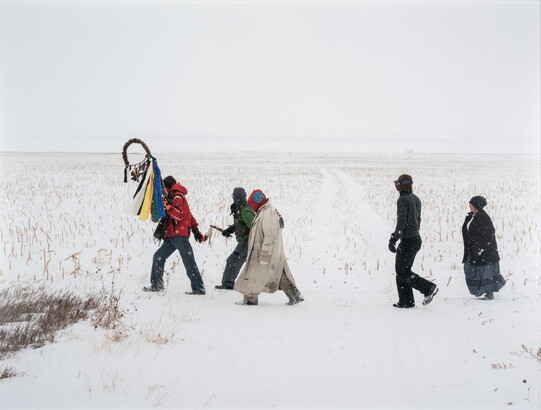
x: 158, y: 194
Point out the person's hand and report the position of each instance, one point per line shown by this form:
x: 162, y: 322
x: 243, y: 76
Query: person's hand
x: 228, y: 231
x: 392, y: 243
x: 199, y: 237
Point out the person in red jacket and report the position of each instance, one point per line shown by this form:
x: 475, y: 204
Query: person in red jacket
x: 180, y: 222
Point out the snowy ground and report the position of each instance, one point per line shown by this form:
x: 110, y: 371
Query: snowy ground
x: 344, y: 347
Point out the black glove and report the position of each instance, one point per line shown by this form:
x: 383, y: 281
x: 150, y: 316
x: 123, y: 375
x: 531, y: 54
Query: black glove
x: 199, y: 237
x: 392, y: 243
x: 229, y: 231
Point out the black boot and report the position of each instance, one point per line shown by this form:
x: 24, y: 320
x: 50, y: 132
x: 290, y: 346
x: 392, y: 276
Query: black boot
x: 402, y: 306
x: 152, y: 289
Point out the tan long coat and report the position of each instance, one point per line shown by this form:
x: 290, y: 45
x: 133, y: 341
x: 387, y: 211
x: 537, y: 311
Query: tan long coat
x: 266, y: 259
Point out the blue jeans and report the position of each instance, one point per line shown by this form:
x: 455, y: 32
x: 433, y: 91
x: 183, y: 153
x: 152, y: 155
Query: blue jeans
x: 182, y: 244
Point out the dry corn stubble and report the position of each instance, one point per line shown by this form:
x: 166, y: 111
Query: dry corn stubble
x: 32, y: 316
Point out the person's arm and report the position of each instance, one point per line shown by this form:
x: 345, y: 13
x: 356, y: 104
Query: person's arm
x: 230, y: 230
x: 269, y: 228
x: 401, y: 217
x: 486, y: 233
x: 465, y: 233
x: 174, y: 208
x: 193, y: 224
x: 248, y: 216
x: 490, y: 225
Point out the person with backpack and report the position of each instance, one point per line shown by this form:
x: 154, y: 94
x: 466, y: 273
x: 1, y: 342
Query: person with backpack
x: 407, y: 231
x: 266, y: 269
x: 243, y: 215
x: 179, y: 224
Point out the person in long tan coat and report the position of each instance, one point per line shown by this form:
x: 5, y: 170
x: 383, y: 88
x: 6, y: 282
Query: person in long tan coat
x: 266, y: 269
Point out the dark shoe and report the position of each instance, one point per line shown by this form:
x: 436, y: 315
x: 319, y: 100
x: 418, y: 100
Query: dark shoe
x: 488, y: 296
x: 428, y: 298
x: 297, y: 299
x: 152, y: 289
x: 223, y: 287
x: 193, y: 292
x: 245, y: 302
x: 401, y: 306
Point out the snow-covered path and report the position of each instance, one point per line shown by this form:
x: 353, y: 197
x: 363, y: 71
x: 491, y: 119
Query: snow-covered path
x: 344, y: 347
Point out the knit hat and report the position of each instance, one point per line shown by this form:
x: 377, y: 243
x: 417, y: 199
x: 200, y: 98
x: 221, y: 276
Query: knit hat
x: 239, y: 194
x: 478, y: 202
x: 168, y: 182
x: 404, y: 181
x: 257, y: 199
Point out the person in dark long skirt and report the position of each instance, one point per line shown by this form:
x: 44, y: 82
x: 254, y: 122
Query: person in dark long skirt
x: 407, y: 231
x: 481, y: 258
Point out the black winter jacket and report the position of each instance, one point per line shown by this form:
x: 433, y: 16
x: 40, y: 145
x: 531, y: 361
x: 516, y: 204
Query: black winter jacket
x: 408, y: 219
x: 480, y: 246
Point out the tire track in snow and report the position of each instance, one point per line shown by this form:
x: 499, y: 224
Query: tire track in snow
x: 399, y: 323
x: 375, y: 232
x: 324, y: 246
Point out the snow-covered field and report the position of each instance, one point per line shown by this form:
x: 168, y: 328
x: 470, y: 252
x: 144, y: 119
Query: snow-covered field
x: 344, y: 347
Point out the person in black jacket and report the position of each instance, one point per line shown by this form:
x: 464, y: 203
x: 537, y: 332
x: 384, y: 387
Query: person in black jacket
x: 243, y: 215
x: 407, y: 231
x: 481, y: 258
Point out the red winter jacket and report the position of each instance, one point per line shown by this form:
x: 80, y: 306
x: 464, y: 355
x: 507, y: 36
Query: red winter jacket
x: 178, y: 210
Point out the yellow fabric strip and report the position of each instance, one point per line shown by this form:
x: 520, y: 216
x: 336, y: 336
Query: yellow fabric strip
x: 147, y: 202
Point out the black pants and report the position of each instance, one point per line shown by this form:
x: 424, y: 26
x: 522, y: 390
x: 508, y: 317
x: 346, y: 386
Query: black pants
x: 234, y: 263
x: 406, y: 280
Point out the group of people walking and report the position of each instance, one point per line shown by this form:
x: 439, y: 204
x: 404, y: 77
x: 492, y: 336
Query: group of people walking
x: 257, y: 227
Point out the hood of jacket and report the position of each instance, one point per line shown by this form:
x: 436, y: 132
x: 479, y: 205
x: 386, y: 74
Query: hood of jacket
x: 257, y: 199
x: 239, y: 195
x: 179, y: 188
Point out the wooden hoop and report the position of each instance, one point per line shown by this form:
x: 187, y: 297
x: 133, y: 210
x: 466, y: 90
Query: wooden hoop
x: 127, y: 144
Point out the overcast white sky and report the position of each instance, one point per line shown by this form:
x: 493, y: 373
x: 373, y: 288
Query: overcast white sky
x: 375, y: 76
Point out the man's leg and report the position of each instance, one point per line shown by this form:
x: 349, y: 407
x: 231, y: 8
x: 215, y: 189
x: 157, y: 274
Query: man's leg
x: 182, y: 243
x: 405, y: 255
x: 418, y: 283
x: 158, y: 263
x: 234, y: 263
x: 289, y: 289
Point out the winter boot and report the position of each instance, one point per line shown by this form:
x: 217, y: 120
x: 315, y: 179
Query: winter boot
x: 195, y: 292
x: 245, y: 302
x: 488, y: 296
x: 402, y: 306
x: 152, y: 289
x: 295, y: 300
x: 248, y: 301
x: 223, y: 287
x: 428, y: 298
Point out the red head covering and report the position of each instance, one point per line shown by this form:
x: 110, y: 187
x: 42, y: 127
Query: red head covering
x: 256, y: 199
